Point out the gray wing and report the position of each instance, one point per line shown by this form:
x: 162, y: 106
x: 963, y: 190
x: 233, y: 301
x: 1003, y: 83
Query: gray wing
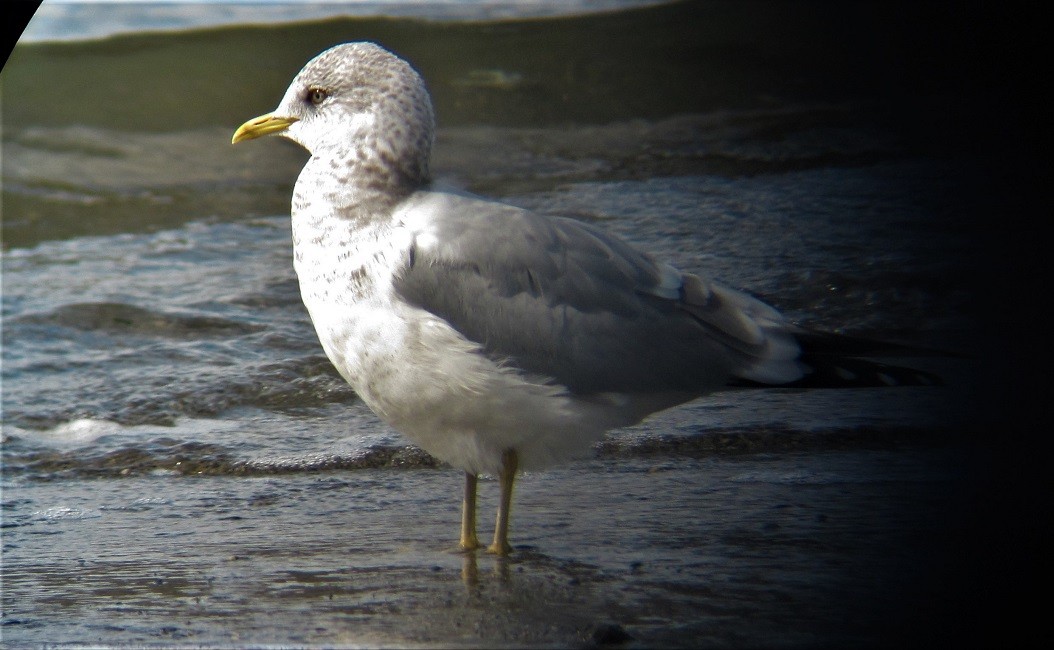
x: 565, y: 300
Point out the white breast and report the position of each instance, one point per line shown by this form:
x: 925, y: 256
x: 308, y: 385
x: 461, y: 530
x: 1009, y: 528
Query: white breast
x: 418, y: 373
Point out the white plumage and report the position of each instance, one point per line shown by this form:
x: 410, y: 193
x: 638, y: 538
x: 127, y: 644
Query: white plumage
x: 494, y: 338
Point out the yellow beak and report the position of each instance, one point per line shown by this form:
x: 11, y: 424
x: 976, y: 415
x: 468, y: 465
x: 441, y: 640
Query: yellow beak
x: 261, y: 126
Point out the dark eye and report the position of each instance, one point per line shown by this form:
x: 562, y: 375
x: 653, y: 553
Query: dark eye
x: 317, y: 95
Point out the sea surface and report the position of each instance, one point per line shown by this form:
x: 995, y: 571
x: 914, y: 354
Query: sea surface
x: 182, y: 466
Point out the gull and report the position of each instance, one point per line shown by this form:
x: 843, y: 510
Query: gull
x: 495, y: 338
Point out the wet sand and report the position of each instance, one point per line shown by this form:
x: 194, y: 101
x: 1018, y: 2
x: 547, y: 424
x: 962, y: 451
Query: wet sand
x: 867, y: 546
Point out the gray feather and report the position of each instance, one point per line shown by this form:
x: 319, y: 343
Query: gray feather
x: 558, y: 298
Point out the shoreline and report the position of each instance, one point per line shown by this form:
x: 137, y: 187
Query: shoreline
x: 856, y: 547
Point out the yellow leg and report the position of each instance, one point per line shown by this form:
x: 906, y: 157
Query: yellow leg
x: 509, y: 462
x: 469, y: 541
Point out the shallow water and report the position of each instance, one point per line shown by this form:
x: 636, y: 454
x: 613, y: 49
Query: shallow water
x: 797, y: 549
x: 181, y: 465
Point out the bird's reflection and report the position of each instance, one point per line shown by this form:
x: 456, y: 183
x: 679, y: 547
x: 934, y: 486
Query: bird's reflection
x: 470, y: 568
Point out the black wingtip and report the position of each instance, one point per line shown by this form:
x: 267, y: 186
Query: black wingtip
x: 847, y: 372
x: 839, y: 361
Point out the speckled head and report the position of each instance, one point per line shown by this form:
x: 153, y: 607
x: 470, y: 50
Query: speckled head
x: 356, y: 103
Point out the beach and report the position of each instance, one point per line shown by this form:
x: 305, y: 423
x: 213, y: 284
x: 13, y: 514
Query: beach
x: 182, y: 467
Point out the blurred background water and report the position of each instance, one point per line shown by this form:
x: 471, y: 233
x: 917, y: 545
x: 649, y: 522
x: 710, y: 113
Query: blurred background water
x: 816, y: 154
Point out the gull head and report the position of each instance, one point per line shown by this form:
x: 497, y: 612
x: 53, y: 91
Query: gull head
x: 356, y: 103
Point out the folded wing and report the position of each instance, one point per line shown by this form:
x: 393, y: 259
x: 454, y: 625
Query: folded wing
x: 563, y: 300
